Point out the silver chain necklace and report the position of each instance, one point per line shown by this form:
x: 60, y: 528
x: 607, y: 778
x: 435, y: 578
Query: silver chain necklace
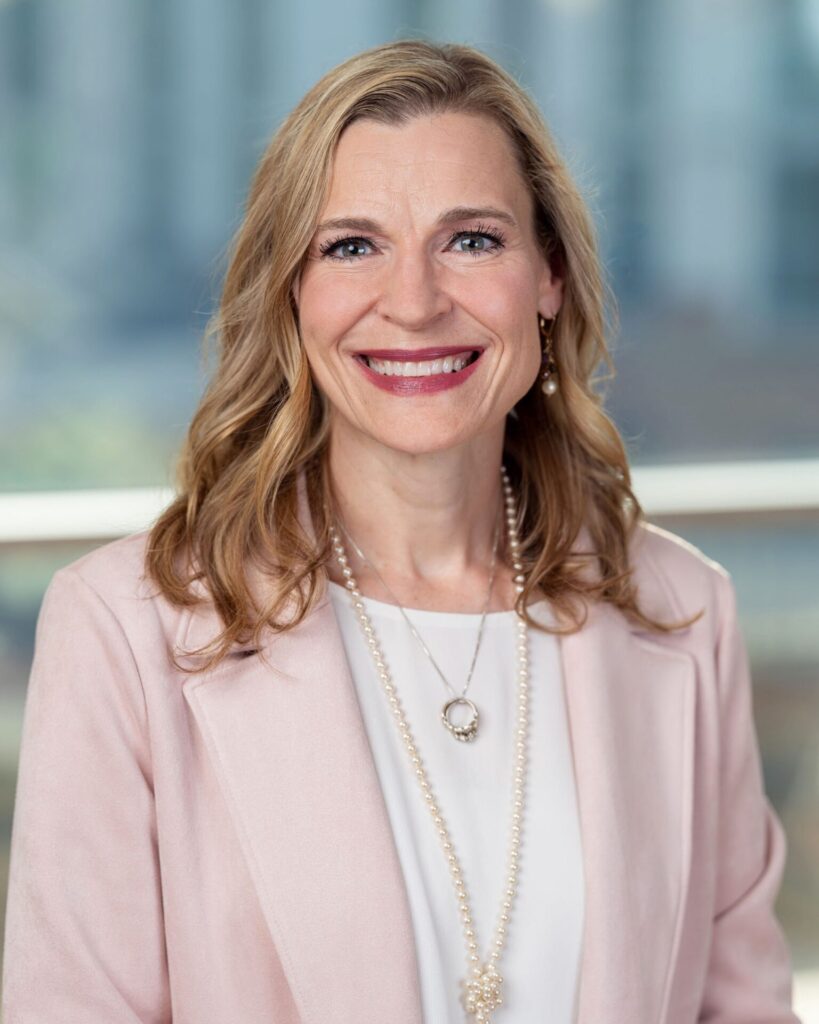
x: 469, y: 730
x: 482, y: 988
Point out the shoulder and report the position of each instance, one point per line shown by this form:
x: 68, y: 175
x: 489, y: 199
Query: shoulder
x: 673, y: 576
x: 111, y: 583
x: 116, y: 570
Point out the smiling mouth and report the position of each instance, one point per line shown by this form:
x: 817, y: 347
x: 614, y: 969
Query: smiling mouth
x: 422, y: 367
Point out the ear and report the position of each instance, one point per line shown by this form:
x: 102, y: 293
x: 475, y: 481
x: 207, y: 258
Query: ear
x: 550, y: 292
x: 294, y: 290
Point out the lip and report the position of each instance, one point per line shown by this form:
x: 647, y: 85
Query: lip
x: 416, y: 354
x: 409, y: 386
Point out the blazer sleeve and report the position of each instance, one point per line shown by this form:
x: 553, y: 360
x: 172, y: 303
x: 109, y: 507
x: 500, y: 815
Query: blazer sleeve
x: 84, y: 938
x: 749, y: 971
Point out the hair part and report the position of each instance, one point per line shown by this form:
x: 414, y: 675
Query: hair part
x: 262, y: 421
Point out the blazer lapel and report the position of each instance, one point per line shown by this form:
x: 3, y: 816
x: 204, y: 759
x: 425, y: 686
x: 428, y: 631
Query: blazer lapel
x: 631, y: 705
x: 290, y: 749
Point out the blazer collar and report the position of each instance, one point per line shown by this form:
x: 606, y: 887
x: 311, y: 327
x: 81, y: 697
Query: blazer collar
x: 289, y: 745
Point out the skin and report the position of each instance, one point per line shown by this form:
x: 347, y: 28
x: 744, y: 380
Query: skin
x: 417, y: 479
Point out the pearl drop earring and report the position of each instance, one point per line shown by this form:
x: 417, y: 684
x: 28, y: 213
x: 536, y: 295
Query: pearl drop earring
x: 548, y: 378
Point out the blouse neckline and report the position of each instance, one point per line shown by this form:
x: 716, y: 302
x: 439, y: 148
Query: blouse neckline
x: 384, y: 610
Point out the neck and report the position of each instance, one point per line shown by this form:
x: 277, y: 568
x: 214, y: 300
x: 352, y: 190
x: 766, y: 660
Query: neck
x: 425, y: 522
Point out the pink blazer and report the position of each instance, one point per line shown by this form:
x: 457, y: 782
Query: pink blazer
x: 215, y: 849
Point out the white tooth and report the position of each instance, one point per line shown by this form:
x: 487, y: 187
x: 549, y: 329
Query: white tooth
x: 418, y: 368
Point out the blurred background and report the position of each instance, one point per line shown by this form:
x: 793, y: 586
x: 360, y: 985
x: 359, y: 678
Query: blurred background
x: 128, y: 133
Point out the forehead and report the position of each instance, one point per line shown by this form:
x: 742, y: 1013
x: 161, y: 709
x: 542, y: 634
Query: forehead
x: 441, y: 160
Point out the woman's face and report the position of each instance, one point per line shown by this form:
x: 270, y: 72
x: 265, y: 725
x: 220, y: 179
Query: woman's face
x: 419, y: 297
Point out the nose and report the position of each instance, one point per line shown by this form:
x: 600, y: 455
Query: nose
x: 412, y: 295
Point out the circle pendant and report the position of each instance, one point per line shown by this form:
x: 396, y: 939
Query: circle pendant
x: 466, y: 732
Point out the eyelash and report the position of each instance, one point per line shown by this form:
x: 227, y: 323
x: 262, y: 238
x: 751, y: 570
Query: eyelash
x: 496, y: 237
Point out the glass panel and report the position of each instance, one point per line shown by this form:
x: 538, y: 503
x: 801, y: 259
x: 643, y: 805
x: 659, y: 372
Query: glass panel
x: 131, y: 130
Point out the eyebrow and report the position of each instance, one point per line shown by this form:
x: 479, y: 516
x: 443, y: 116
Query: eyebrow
x: 453, y: 216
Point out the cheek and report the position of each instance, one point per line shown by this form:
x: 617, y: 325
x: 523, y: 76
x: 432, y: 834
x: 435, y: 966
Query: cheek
x: 509, y: 308
x: 328, y: 306
x: 506, y: 301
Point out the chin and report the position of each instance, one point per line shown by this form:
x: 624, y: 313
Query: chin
x: 425, y: 444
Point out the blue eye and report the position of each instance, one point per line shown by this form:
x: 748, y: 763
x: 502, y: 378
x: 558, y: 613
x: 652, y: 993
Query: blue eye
x: 344, y: 248
x: 480, y: 241
x: 475, y: 243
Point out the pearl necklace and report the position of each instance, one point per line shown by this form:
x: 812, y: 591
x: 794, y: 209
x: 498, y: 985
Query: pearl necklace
x: 482, y: 988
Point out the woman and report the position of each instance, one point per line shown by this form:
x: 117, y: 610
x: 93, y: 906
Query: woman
x: 401, y: 711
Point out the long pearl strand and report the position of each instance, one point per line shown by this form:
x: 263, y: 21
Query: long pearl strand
x: 482, y: 989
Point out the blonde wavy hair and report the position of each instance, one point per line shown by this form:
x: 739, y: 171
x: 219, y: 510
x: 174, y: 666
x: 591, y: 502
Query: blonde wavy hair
x: 262, y: 422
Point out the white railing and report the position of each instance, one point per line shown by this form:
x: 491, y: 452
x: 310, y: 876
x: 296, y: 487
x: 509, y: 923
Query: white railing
x: 703, y: 490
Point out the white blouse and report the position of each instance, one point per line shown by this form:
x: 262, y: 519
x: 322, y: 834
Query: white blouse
x: 473, y: 785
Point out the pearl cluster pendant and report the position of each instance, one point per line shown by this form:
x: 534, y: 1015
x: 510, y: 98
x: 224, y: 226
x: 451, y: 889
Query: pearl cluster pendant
x: 482, y: 989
